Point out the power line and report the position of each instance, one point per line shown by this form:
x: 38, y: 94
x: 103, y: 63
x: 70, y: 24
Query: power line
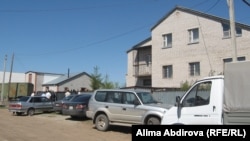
x: 205, y: 1
x: 68, y: 9
x: 90, y: 44
x: 216, y: 3
x: 246, y: 2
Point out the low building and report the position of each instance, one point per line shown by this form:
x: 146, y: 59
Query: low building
x: 59, y: 82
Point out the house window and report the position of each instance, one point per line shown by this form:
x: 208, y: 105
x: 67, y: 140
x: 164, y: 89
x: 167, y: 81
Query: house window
x: 167, y: 40
x: 227, y: 33
x: 148, y: 59
x: 193, y: 35
x: 168, y: 71
x: 241, y: 58
x: 194, y: 68
x: 227, y: 60
x: 147, y: 82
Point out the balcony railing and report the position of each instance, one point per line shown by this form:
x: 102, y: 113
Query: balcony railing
x: 143, y: 69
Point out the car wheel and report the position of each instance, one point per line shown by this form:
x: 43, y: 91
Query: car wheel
x: 31, y: 112
x: 153, y: 121
x: 102, y: 122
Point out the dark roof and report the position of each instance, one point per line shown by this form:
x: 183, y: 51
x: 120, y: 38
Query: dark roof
x: 194, y: 12
x: 65, y: 78
x: 201, y: 14
x: 139, y: 44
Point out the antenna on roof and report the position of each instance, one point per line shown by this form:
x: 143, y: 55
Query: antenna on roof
x: 68, y: 72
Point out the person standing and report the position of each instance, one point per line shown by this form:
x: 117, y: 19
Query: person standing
x: 67, y: 93
x: 33, y: 93
x: 48, y: 94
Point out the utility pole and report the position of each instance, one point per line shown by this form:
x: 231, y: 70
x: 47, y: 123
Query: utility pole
x: 232, y: 28
x: 10, y: 75
x: 5, y: 59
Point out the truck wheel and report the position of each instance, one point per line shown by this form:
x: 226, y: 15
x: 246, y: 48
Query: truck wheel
x: 102, y: 122
x: 31, y: 112
x: 153, y: 121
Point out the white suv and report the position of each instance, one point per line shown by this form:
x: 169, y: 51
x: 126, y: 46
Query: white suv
x: 124, y: 107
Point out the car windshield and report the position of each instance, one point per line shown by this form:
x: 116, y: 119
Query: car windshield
x: 146, y: 98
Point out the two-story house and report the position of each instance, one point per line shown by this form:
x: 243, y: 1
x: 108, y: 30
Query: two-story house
x: 185, y: 45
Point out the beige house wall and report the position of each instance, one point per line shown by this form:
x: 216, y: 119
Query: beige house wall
x: 76, y: 84
x: 210, y: 51
x: 130, y: 78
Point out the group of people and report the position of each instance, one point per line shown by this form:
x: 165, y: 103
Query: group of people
x: 52, y: 96
x: 47, y: 94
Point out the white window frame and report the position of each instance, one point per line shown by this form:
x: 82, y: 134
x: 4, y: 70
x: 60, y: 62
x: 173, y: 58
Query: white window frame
x: 167, y: 40
x: 167, y: 71
x: 227, y: 32
x: 194, y: 69
x: 193, y: 35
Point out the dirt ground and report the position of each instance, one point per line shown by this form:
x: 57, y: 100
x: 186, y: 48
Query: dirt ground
x: 55, y: 127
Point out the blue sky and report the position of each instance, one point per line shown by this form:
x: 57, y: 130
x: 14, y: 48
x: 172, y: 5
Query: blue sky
x: 56, y: 35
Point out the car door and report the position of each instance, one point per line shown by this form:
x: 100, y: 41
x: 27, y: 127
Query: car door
x: 37, y: 104
x: 131, y: 112
x: 196, y: 107
x: 113, y: 105
x: 46, y: 104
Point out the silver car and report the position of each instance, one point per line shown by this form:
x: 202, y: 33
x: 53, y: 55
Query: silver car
x: 124, y: 108
x: 31, y: 105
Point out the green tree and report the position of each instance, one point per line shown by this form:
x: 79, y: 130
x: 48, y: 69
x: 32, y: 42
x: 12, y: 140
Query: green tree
x: 185, y: 86
x: 107, y: 84
x: 96, y: 79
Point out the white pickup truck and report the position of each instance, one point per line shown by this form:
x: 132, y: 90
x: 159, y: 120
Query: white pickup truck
x: 216, y: 100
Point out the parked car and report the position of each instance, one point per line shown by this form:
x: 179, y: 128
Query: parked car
x: 124, y: 108
x: 57, y: 106
x: 30, y: 105
x: 76, y: 107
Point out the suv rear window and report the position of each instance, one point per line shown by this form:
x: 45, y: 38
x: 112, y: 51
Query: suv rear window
x: 100, y: 96
x: 110, y: 96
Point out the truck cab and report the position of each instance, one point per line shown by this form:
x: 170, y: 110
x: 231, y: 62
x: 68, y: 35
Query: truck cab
x: 201, y: 104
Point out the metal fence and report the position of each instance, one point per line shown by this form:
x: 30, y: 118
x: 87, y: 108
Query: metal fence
x: 168, y: 97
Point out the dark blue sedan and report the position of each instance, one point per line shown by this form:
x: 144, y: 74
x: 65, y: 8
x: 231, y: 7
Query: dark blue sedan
x: 77, y: 106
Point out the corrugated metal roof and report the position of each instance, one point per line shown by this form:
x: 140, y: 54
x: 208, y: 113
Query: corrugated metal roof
x: 64, y: 78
